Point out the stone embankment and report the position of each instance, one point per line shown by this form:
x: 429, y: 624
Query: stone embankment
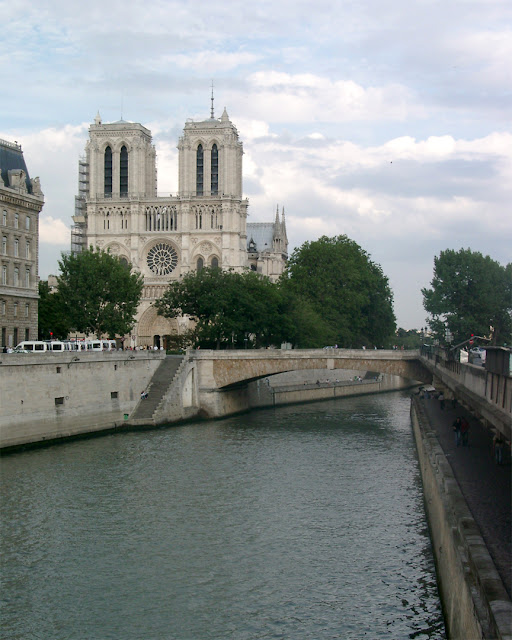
x: 47, y: 397
x: 475, y: 599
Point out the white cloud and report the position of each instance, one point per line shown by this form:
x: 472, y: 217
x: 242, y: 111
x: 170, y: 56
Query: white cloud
x: 285, y: 97
x: 397, y: 133
x: 54, y: 231
x: 211, y: 61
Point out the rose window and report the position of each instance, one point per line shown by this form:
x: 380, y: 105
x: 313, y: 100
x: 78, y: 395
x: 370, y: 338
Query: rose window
x: 162, y: 259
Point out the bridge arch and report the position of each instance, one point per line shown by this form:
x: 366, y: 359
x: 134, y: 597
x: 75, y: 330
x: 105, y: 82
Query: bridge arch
x: 228, y: 369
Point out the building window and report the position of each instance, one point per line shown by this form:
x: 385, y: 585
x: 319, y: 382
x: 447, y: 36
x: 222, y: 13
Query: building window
x: 2, y: 307
x: 27, y: 310
x: 108, y: 172
x: 27, y: 278
x: 15, y: 309
x: 199, y: 220
x: 4, y: 245
x: 123, y: 177
x: 215, y: 263
x: 200, y: 264
x: 59, y: 401
x: 16, y: 248
x: 162, y: 259
x: 4, y: 274
x: 27, y: 334
x: 215, y: 171
x: 4, y: 336
x: 15, y: 335
x: 4, y: 218
x: 16, y: 276
x: 199, y: 171
x: 27, y: 250
x: 27, y: 223
x: 16, y: 220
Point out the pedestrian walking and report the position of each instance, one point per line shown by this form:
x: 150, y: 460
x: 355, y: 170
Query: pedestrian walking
x: 456, y: 428
x: 441, y: 400
x: 464, y: 432
x: 498, y: 444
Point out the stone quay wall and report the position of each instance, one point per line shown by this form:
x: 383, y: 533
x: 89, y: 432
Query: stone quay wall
x: 56, y: 395
x: 300, y: 386
x: 475, y: 602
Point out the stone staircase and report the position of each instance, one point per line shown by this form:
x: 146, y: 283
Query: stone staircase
x: 160, y: 383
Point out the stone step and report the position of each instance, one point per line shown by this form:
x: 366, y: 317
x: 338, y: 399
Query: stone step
x: 162, y: 378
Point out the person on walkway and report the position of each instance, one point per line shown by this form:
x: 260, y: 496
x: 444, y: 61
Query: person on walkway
x: 464, y: 432
x: 498, y: 444
x: 456, y: 428
x: 441, y: 400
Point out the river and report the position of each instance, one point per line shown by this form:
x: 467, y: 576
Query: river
x: 305, y: 521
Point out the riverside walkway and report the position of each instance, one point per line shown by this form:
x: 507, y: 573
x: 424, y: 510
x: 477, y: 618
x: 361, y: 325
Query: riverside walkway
x: 485, y: 485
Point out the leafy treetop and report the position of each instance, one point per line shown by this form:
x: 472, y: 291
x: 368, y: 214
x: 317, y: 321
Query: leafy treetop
x: 99, y: 292
x: 346, y: 288
x: 470, y: 294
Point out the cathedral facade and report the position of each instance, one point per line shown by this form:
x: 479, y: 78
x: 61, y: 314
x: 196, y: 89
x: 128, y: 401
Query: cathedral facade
x: 203, y: 225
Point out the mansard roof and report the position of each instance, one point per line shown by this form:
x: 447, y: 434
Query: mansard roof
x: 11, y: 158
x: 262, y: 234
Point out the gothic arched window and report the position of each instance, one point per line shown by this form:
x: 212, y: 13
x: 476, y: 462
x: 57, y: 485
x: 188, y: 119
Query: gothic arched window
x: 123, y: 172
x: 108, y: 172
x: 200, y: 264
x: 215, y: 171
x: 199, y: 171
x: 215, y: 263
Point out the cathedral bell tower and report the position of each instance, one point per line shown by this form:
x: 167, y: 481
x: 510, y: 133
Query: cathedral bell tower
x: 210, y: 159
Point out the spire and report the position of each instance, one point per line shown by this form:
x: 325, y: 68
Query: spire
x: 212, y: 113
x: 283, y: 227
x: 225, y: 117
x: 277, y: 215
x: 97, y: 119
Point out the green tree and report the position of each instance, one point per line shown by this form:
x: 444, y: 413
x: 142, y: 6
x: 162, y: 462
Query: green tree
x: 230, y: 309
x: 345, y: 288
x: 52, y: 316
x: 409, y: 338
x: 99, y: 292
x: 470, y: 294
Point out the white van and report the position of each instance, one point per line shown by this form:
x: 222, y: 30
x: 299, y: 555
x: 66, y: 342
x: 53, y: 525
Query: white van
x: 31, y: 346
x: 57, y: 345
x: 94, y: 345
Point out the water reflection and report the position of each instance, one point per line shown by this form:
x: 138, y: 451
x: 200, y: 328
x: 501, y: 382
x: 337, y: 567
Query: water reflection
x: 300, y: 522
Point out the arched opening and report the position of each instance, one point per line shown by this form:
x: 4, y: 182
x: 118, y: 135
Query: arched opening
x: 200, y: 264
x: 108, y: 172
x: 156, y: 341
x: 199, y: 171
x: 123, y: 172
x: 215, y: 171
x: 215, y: 263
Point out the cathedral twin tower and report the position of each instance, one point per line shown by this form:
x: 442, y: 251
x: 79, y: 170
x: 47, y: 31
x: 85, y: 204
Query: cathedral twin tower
x: 204, y: 225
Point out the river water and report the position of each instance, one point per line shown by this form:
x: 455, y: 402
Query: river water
x: 300, y: 522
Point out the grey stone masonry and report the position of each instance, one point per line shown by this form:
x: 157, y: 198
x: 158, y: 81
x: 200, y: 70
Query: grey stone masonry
x: 157, y: 388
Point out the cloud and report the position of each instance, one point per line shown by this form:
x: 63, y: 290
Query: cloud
x: 54, y: 231
x: 390, y: 123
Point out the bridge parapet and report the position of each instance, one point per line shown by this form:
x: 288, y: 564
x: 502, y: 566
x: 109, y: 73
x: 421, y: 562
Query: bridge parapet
x: 489, y: 396
x: 224, y: 369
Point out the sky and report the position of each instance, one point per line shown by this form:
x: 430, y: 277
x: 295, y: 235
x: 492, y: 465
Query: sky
x: 388, y: 122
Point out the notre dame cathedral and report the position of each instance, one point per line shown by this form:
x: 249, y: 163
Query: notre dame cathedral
x: 204, y: 225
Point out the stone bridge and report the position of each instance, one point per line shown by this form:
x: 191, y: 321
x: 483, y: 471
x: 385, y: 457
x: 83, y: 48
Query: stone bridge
x: 227, y: 369
x: 215, y: 383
